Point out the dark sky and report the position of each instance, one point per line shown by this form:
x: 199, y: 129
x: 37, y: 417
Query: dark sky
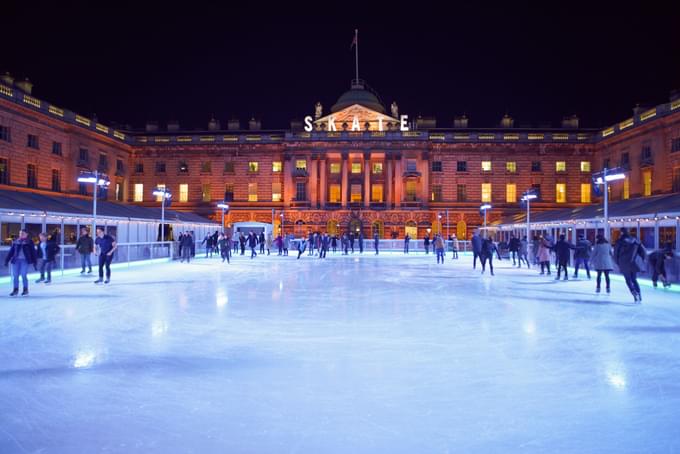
x: 537, y: 63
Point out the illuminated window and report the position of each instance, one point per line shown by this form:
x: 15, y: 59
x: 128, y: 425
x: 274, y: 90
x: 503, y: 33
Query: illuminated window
x: 486, y: 192
x: 585, y: 166
x: 486, y: 166
x: 139, y: 192
x: 253, y: 166
x: 355, y: 193
x: 301, y: 164
x: 252, y: 192
x: 377, y: 193
x: 410, y: 191
x: 277, y: 166
x: 511, y: 193
x: 626, y: 189
x: 335, y: 167
x: 647, y: 182
x: 561, y: 166
x: 183, y: 192
x: 205, y: 192
x: 183, y: 167
x: 585, y: 192
x: 436, y: 192
x: 560, y: 193
x: 511, y: 166
x: 377, y: 168
x: 159, y: 198
x: 276, y: 191
x: 356, y: 167
x: 334, y: 193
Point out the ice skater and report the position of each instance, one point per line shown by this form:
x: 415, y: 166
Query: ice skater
x: 562, y: 251
x: 476, y: 249
x: 21, y: 254
x: 286, y: 244
x: 252, y: 244
x: 345, y: 244
x: 334, y: 243
x: 376, y: 242
x: 543, y: 255
x: 657, y: 261
x: 47, y: 252
x: 224, y: 243
x: 629, y: 255
x: 324, y: 244
x: 407, y: 240
x: 302, y: 245
x: 602, y: 261
x: 513, y: 248
x: 438, y: 246
x: 269, y: 242
x: 185, y: 247
x: 426, y: 243
x: 105, y: 246
x: 523, y: 253
x: 454, y: 247
x: 488, y: 248
x: 582, y: 255
x: 361, y: 242
x: 85, y: 247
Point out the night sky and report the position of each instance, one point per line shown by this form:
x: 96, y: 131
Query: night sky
x: 190, y: 63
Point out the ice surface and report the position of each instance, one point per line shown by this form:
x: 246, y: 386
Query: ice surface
x: 352, y: 354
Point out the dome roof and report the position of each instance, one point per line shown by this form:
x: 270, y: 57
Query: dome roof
x: 358, y: 94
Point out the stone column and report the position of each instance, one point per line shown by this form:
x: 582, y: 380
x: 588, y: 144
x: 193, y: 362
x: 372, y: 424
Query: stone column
x: 288, y: 188
x: 388, y: 181
x: 398, y: 181
x: 344, y: 186
x: 323, y: 186
x: 425, y: 179
x: 367, y: 179
x: 313, y: 185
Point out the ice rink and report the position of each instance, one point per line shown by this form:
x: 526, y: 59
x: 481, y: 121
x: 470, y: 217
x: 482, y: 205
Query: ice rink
x: 352, y: 354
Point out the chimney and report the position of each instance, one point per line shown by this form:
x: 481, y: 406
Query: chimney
x: 507, y: 121
x: 234, y: 124
x: 25, y: 85
x: 426, y: 122
x: 675, y: 95
x: 151, y: 126
x: 254, y: 124
x: 7, y: 79
x: 570, y: 122
x: 213, y: 125
x: 638, y: 109
x: 460, y: 122
x: 173, y: 126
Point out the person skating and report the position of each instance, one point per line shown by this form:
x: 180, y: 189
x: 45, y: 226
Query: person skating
x: 582, y: 255
x: 261, y: 239
x: 407, y: 240
x: 21, y: 254
x: 252, y: 244
x: 476, y: 249
x: 543, y: 255
x: 85, y: 247
x: 486, y: 254
x: 626, y: 253
x: 602, y: 261
x: 334, y: 243
x: 513, y: 248
x: 224, y: 244
x: 345, y: 244
x: 185, y: 247
x: 438, y: 247
x: 454, y: 246
x: 324, y: 245
x: 563, y: 251
x: 426, y: 243
x: 105, y: 246
x: 286, y: 245
x: 376, y: 242
x: 235, y: 243
x: 361, y: 242
x: 657, y: 261
x: 351, y: 241
x: 523, y: 253
x: 207, y: 240
x: 535, y: 245
x: 242, y: 242
x: 46, y: 253
x: 302, y: 245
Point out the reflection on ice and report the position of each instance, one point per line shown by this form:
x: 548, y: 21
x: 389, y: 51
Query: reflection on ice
x: 84, y: 359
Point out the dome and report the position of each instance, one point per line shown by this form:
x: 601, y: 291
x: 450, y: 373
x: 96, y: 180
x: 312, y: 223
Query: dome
x: 358, y: 94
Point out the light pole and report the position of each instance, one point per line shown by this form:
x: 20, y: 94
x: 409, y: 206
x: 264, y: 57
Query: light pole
x: 527, y: 197
x: 282, y: 222
x: 164, y: 194
x: 486, y: 207
x: 225, y: 208
x: 98, y: 180
x: 603, y: 178
x: 448, y: 235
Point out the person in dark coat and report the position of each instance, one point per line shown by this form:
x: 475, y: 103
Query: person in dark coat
x: 345, y: 244
x: 407, y: 240
x: 85, y: 247
x: 438, y: 248
x: 627, y: 249
x: 105, y: 245
x: 486, y: 253
x: 426, y: 243
x: 334, y: 243
x: 582, y: 255
x: 361, y: 242
x: 224, y: 243
x: 351, y: 241
x: 602, y: 261
x: 261, y: 240
x: 476, y: 249
x: 324, y: 245
x: 242, y: 242
x: 207, y: 240
x: 657, y: 261
x: 376, y: 242
x: 523, y: 253
x: 562, y: 252
x: 513, y: 248
x: 47, y: 250
x: 21, y: 254
x: 302, y: 245
x: 185, y: 247
x: 235, y: 243
x: 252, y: 244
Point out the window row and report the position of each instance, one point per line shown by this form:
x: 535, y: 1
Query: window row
x: 511, y: 195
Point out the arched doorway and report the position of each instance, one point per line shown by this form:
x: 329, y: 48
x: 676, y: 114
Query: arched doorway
x: 436, y: 227
x: 299, y: 229
x: 332, y: 227
x: 355, y: 226
x: 411, y: 229
x: 378, y: 226
x: 461, y: 230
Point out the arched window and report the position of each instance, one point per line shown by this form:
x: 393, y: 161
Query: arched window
x: 378, y: 226
x: 461, y: 230
x: 411, y: 229
x: 332, y: 227
x: 355, y: 226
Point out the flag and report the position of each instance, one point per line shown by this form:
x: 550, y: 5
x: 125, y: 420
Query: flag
x: 354, y: 40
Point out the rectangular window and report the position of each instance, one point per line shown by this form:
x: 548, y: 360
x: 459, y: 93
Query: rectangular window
x: 335, y: 167
x: 56, y: 180
x: 301, y: 164
x: 561, y: 166
x: 300, y: 191
x: 537, y: 190
x: 4, y: 171
x: 139, y: 192
x: 647, y: 182
x: 277, y: 167
x: 605, y: 163
x: 82, y: 188
x: 675, y: 144
x: 585, y: 192
x: 355, y: 193
x: 334, y: 193
x: 436, y: 166
x: 625, y: 160
x: 103, y: 162
x: 56, y: 148
x: 461, y: 166
x: 276, y: 191
x: 561, y: 193
x: 206, y: 194
x: 229, y: 192
x: 676, y: 179
x: 585, y: 166
x: 511, y: 167
x: 184, y: 192
x: 119, y: 192
x: 626, y: 189
x: 436, y: 192
x: 411, y: 165
x: 646, y: 154
x: 356, y: 167
x: 139, y: 167
x: 377, y: 168
x: 83, y: 156
x: 120, y: 167
x: 229, y: 167
x: 461, y: 193
x: 160, y: 167
x: 252, y: 192
x: 183, y: 167
x: 33, y: 142
x: 486, y: 192
x: 159, y: 198
x: 31, y: 176
x: 253, y: 166
x: 511, y: 193
x: 411, y: 191
x: 206, y: 167
x: 535, y: 166
x: 377, y: 193
x: 486, y: 166
x: 5, y: 134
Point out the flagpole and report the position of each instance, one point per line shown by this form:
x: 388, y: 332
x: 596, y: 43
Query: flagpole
x: 356, y: 51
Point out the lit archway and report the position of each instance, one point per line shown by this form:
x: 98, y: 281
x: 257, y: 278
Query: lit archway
x: 332, y: 227
x: 461, y: 230
x: 355, y: 226
x: 299, y: 229
x: 411, y: 229
x: 378, y: 226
